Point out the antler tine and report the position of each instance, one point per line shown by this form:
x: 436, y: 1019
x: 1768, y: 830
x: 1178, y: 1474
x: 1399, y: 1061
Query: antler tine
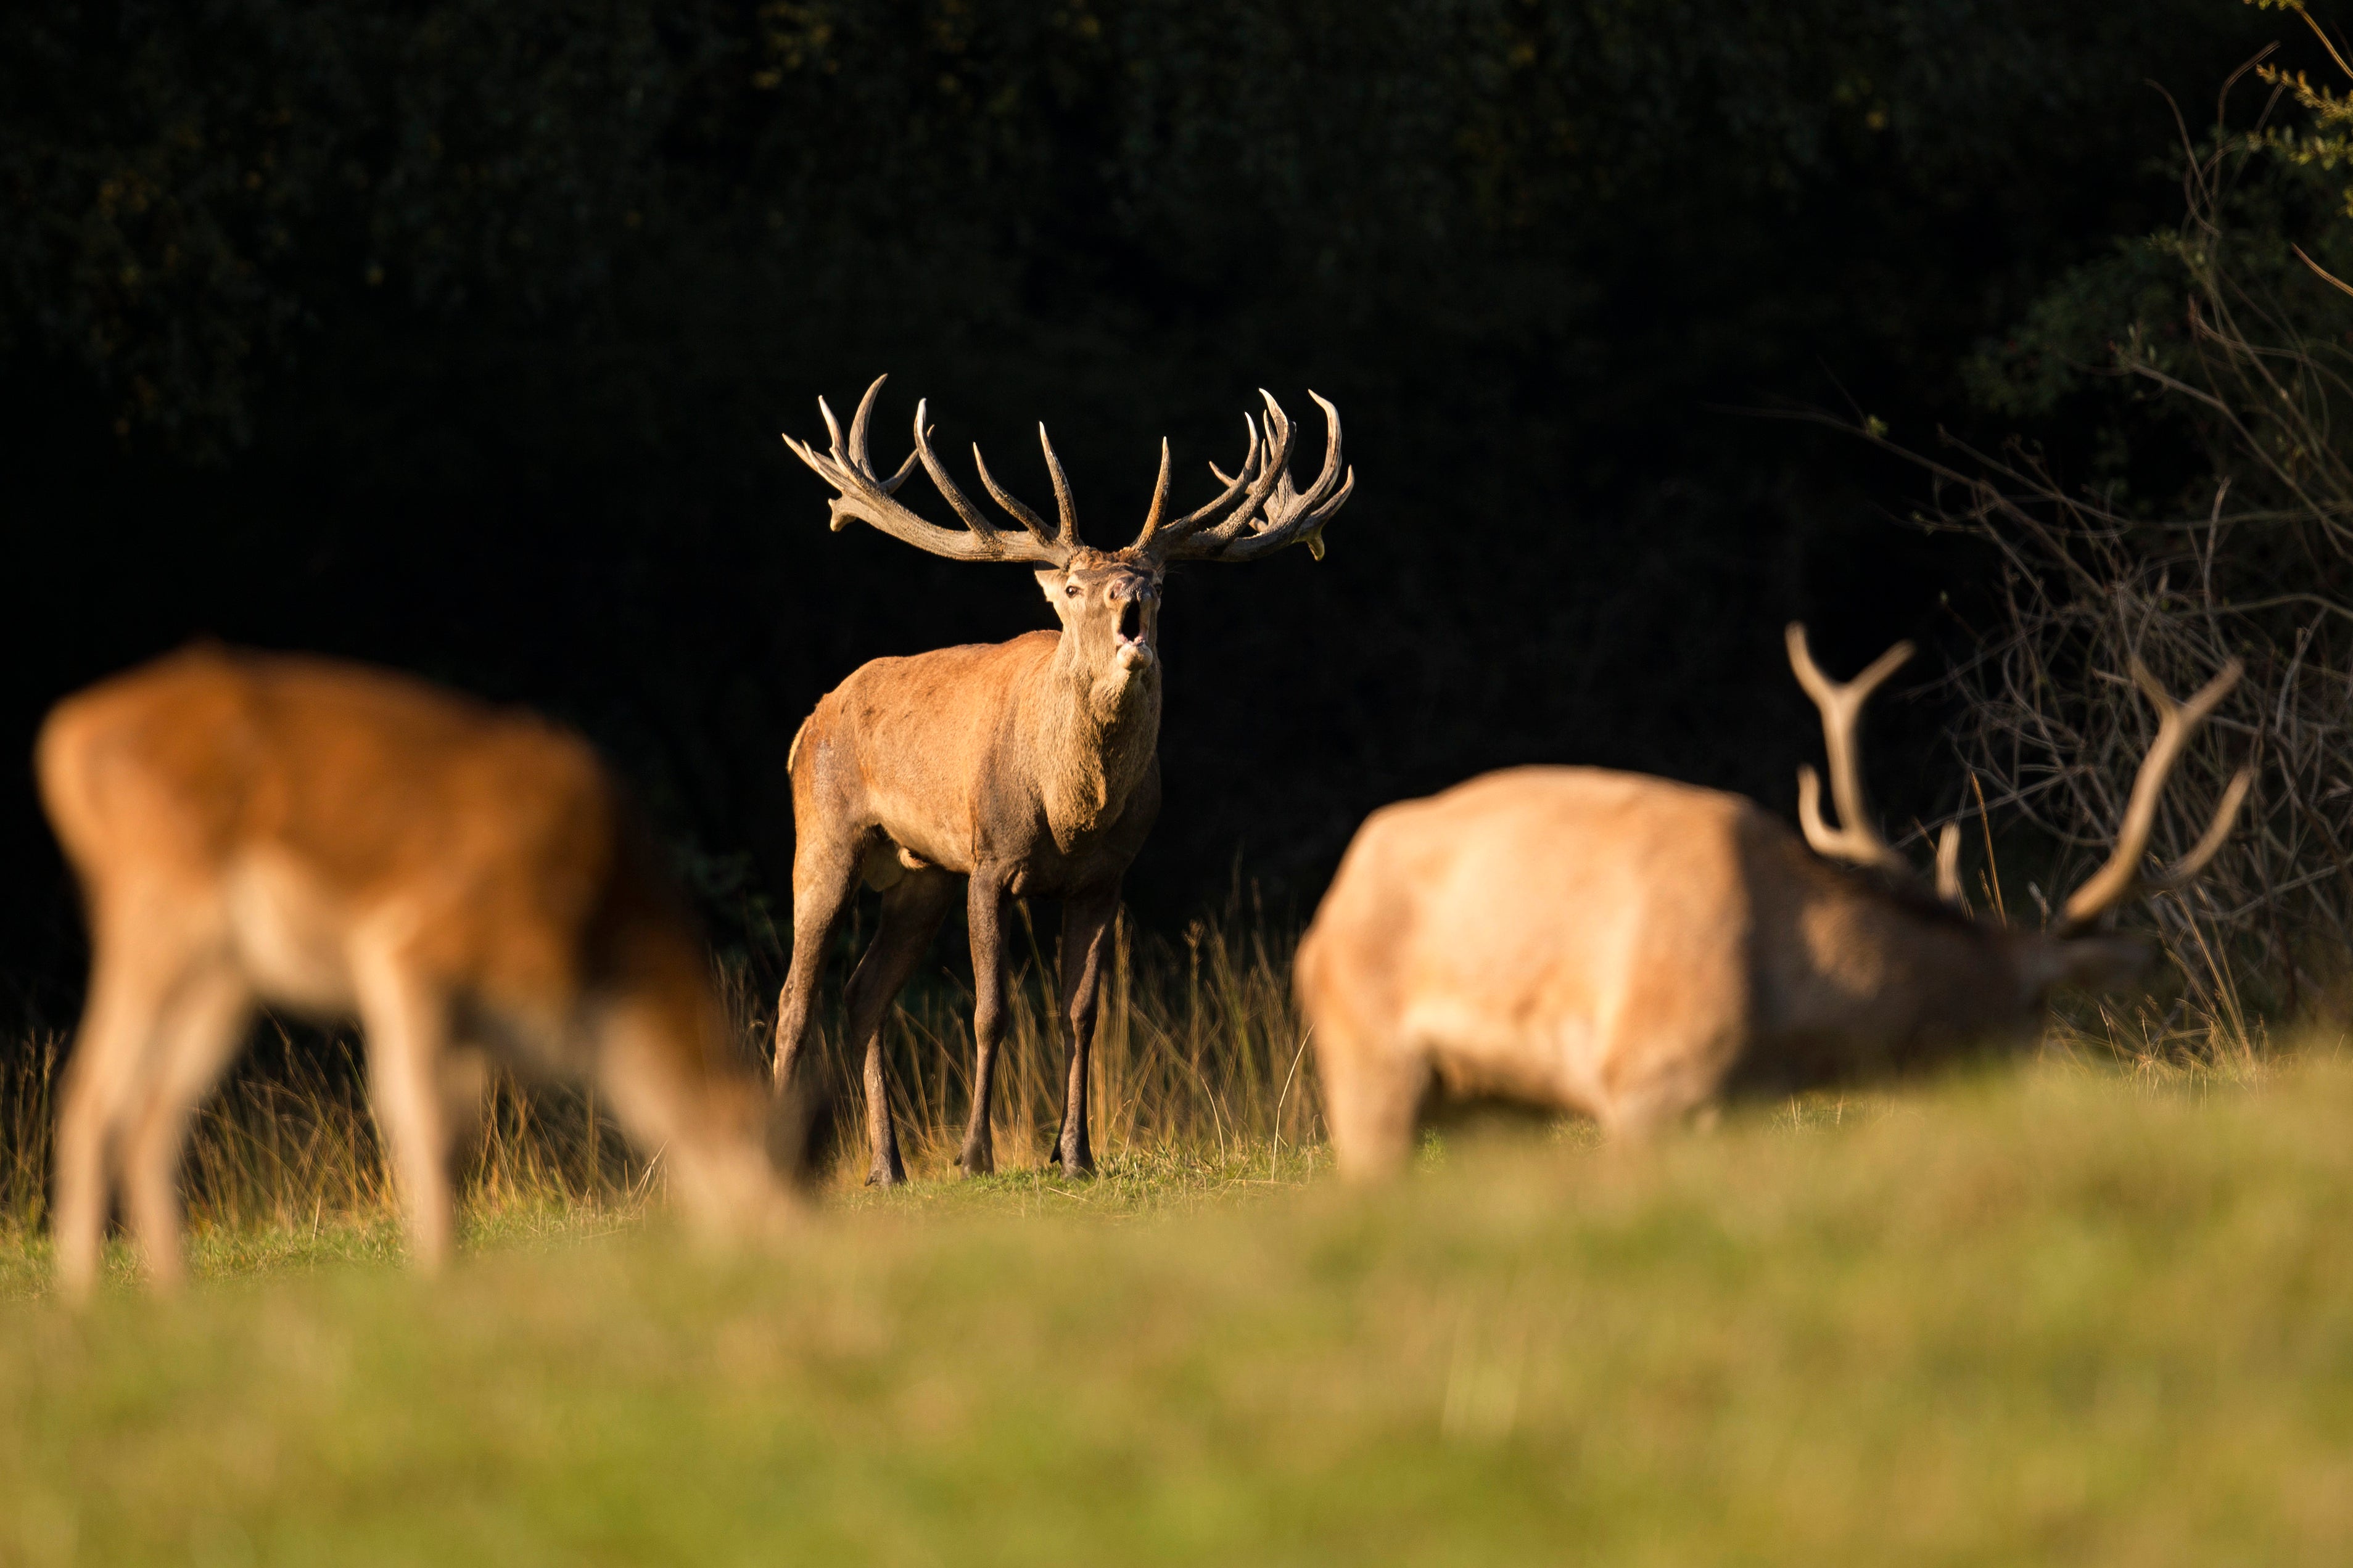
x: 1856, y: 838
x: 947, y: 486
x: 2120, y: 876
x: 1005, y: 498
x: 858, y: 425
x: 1159, y: 502
x: 1215, y: 542
x: 1064, y: 507
x: 858, y: 422
x: 833, y: 426
x: 1242, y: 478
x: 1948, y: 864
x: 863, y: 494
x: 1243, y: 475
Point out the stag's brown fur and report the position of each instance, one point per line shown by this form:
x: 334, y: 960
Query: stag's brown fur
x: 258, y: 829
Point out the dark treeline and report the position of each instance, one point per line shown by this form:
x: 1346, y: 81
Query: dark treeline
x: 459, y: 336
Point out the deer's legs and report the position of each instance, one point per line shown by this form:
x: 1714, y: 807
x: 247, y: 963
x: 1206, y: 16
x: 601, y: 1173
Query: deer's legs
x: 985, y: 911
x: 1086, y: 933
x: 1666, y: 1087
x: 127, y: 993
x: 912, y: 909
x: 200, y: 1033
x: 1372, y: 1103
x: 825, y: 878
x: 406, y: 1023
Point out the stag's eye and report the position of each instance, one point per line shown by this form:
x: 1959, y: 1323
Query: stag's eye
x: 1071, y: 589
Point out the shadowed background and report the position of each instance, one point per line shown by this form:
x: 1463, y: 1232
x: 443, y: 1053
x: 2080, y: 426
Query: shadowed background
x: 457, y: 336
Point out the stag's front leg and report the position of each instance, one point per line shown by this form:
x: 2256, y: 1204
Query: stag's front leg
x: 825, y: 879
x: 984, y: 912
x: 912, y: 909
x: 1086, y: 931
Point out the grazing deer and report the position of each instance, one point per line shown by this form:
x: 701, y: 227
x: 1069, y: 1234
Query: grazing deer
x: 1627, y: 947
x: 255, y: 828
x: 1026, y: 768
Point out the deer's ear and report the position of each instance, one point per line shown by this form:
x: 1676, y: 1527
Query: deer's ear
x: 1049, y: 582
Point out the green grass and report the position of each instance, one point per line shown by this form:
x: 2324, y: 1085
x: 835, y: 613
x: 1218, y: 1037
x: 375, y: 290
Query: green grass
x: 2059, y: 1314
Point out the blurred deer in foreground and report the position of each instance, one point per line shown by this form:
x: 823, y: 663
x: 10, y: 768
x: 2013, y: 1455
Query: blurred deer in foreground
x: 1023, y: 769
x: 1630, y: 948
x: 260, y: 829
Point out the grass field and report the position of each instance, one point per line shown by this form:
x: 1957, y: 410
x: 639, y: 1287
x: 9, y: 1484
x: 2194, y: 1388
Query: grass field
x: 2059, y: 1313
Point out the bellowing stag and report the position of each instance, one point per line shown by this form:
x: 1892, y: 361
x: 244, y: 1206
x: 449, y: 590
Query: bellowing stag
x: 257, y: 829
x: 1019, y: 769
x: 1630, y: 948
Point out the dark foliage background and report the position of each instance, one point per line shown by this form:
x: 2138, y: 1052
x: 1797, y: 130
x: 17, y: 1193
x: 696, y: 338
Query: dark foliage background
x: 458, y: 335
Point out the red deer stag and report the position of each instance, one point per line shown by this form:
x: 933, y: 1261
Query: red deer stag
x: 1630, y: 948
x: 253, y: 828
x: 1027, y: 768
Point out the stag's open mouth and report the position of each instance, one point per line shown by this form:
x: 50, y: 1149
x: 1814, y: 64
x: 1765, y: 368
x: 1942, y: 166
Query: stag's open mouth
x: 1132, y: 639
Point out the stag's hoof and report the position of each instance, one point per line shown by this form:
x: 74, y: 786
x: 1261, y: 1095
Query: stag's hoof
x: 890, y: 1175
x: 977, y: 1163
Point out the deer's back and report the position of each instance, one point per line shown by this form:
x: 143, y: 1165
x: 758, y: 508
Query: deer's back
x: 1527, y: 928
x: 291, y: 802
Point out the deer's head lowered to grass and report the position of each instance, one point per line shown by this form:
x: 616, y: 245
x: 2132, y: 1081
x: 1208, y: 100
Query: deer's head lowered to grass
x: 1026, y: 767
x: 1630, y: 948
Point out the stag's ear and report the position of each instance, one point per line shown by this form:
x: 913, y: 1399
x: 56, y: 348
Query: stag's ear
x: 1050, y: 581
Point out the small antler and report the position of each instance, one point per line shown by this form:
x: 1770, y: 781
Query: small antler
x: 1259, y: 511
x: 1842, y: 707
x: 2121, y: 877
x: 865, y: 494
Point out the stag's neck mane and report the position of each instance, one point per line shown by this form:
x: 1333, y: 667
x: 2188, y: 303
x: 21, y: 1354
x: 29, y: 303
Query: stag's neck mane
x: 1090, y: 734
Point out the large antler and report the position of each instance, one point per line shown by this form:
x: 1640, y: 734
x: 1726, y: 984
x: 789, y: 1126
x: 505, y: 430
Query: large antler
x: 866, y: 495
x: 1856, y: 838
x: 2121, y: 877
x: 1259, y: 511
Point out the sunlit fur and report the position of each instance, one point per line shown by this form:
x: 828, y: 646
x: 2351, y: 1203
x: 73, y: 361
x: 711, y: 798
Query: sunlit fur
x: 1017, y: 769
x: 256, y: 830
x: 1630, y: 948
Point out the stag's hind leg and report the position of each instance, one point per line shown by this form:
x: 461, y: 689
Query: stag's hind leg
x: 984, y: 912
x: 1086, y: 933
x: 912, y: 909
